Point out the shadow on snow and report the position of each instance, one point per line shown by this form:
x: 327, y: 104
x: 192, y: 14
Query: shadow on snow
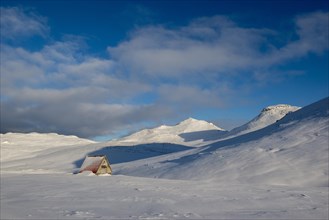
x: 123, y: 154
x: 208, y: 135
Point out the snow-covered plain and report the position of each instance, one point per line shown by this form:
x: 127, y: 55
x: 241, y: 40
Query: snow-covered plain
x: 275, y: 167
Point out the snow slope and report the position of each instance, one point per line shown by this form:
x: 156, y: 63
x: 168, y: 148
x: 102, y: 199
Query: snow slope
x: 52, y: 153
x: 293, y: 151
x: 189, y: 132
x: 26, y: 145
x: 268, y: 116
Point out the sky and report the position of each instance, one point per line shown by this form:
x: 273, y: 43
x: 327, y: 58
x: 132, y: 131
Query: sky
x: 102, y: 69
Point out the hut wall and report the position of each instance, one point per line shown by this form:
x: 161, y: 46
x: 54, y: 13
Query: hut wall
x: 104, y: 168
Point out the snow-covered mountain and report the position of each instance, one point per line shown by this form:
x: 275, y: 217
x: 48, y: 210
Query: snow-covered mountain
x: 293, y: 151
x: 268, y: 116
x: 189, y: 132
x: 193, y: 132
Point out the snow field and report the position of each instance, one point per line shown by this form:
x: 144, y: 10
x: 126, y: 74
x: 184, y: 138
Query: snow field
x: 53, y: 196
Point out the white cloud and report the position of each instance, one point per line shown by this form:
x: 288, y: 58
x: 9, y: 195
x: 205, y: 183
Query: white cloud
x: 82, y: 119
x: 189, y: 98
x: 16, y: 23
x: 61, y: 88
x: 216, y: 44
x: 312, y: 31
x: 208, y: 44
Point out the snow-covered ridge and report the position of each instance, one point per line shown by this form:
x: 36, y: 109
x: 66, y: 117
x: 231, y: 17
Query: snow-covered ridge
x: 22, y: 145
x: 190, y: 130
x: 170, y: 134
x: 268, y: 116
x: 280, y: 109
x: 40, y: 138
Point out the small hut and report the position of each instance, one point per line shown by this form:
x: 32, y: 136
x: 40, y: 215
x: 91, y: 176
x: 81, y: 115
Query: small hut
x: 98, y: 164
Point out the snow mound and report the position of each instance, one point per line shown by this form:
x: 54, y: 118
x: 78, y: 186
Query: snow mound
x: 268, y: 116
x: 172, y: 134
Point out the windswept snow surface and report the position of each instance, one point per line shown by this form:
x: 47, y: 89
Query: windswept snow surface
x: 277, y: 172
x: 54, y: 196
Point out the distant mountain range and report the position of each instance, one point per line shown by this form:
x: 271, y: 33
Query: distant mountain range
x: 193, y: 132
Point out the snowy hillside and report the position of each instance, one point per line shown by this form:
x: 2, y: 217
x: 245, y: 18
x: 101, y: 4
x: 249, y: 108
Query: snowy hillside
x: 194, y: 132
x: 293, y: 151
x: 39, y: 139
x: 189, y: 132
x: 268, y: 116
x: 53, y: 153
x: 20, y: 145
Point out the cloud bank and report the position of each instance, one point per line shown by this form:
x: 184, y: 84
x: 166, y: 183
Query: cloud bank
x: 158, y: 72
x: 217, y: 44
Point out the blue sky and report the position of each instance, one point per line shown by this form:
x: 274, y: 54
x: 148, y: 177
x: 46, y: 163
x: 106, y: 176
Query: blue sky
x: 101, y: 69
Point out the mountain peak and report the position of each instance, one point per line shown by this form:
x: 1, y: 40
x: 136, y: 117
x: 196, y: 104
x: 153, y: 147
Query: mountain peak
x: 280, y: 108
x: 267, y: 116
x: 192, y: 124
x: 189, y: 120
x: 172, y: 134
